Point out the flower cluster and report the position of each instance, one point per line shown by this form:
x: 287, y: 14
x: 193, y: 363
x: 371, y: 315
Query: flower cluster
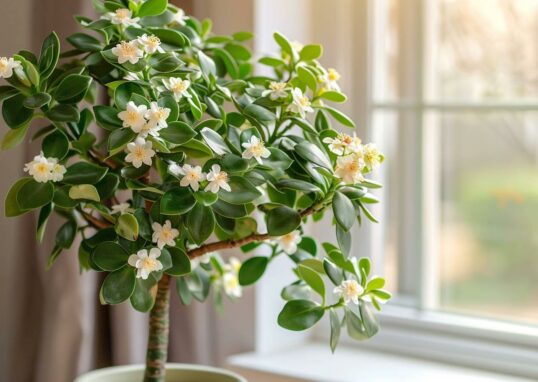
x: 45, y: 169
x: 144, y: 121
x: 132, y: 51
x: 7, y: 66
x: 192, y: 176
x: 354, y: 158
x: 122, y: 17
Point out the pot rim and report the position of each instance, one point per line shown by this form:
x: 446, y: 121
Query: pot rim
x: 107, y: 371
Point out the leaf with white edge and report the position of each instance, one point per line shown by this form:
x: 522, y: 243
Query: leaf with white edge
x: 84, y: 191
x: 84, y: 173
x: 143, y: 297
x: 177, y: 133
x: 14, y: 137
x: 371, y: 325
x: 55, y: 145
x: 152, y: 8
x: 334, y: 274
x: 200, y: 223
x: 340, y: 117
x: 181, y: 264
x: 127, y: 227
x: 313, y: 153
x: 242, y: 191
x: 215, y: 141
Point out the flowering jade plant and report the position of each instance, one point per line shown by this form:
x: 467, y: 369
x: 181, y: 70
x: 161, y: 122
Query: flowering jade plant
x: 192, y: 153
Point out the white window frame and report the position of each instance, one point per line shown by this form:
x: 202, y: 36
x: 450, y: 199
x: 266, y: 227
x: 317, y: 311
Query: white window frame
x: 412, y: 327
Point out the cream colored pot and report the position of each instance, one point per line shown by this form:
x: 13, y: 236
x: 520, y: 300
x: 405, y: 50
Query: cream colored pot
x: 175, y: 372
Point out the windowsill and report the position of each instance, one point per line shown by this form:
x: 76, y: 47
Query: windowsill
x: 314, y: 362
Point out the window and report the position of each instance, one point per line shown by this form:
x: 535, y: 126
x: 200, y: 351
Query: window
x: 453, y: 102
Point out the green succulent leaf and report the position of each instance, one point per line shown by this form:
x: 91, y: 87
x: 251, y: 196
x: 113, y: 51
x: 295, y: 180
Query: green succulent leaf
x: 109, y: 256
x: 33, y: 194
x: 300, y: 315
x: 118, y: 286
x: 127, y: 227
x: 282, y: 220
x: 252, y: 269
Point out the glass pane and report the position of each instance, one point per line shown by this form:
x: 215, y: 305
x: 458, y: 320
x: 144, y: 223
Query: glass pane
x: 489, y: 214
x: 485, y: 49
x: 395, y: 240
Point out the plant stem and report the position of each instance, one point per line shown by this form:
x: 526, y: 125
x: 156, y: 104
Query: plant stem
x: 158, y: 333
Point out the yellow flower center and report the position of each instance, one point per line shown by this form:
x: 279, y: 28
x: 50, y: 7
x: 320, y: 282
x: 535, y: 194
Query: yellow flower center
x: 3, y: 63
x: 333, y: 75
x: 179, y: 87
x: 153, y: 41
x: 149, y: 263
x: 127, y: 49
x: 277, y: 85
x: 166, y: 234
x: 352, y: 289
x: 258, y: 149
x: 193, y: 175
x: 132, y: 116
x: 42, y: 168
x: 123, y: 13
x: 139, y: 152
x: 304, y: 101
x: 221, y: 177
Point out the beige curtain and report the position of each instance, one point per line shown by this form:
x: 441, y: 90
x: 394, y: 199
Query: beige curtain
x: 51, y: 324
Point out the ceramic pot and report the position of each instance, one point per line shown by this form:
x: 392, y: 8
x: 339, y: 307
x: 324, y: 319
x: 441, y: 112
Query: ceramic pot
x: 175, y: 372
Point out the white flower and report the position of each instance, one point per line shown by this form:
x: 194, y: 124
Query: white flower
x: 133, y: 116
x: 121, y: 208
x: 178, y: 87
x: 204, y: 259
x: 276, y: 90
x: 300, y: 104
x: 349, y: 290
x: 234, y: 265
x: 217, y: 180
x: 231, y: 285
x: 255, y: 149
x: 122, y: 16
x: 40, y: 168
x: 58, y: 170
x: 297, y: 45
x: 164, y: 234
x: 151, y: 44
x: 344, y: 144
x: 7, y: 65
x: 139, y: 152
x: 179, y: 17
x: 144, y: 263
x: 45, y: 169
x: 372, y: 156
x: 288, y: 242
x: 127, y: 51
x: 349, y: 168
x: 157, y: 115
x: 192, y: 175
x: 329, y: 80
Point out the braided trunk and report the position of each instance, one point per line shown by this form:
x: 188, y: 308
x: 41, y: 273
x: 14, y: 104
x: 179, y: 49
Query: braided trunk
x: 158, y: 333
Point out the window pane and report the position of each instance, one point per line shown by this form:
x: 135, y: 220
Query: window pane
x: 486, y: 49
x: 489, y: 214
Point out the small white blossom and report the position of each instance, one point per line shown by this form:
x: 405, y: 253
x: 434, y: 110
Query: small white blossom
x: 300, y: 103
x: 232, y: 288
x: 330, y: 80
x: 139, y: 152
x: 151, y: 44
x: 288, y: 242
x: 179, y: 17
x: 7, y: 65
x: 58, y: 170
x: 344, y: 144
x: 297, y: 45
x: 133, y: 116
x: 372, y: 156
x: 234, y: 265
x: 121, y: 208
x: 349, y: 169
x: 164, y: 234
x: 127, y: 51
x: 144, y: 263
x: 123, y: 17
x: 157, y: 115
x: 217, y: 180
x: 178, y: 87
x: 276, y: 90
x: 349, y: 290
x: 192, y: 175
x: 255, y: 149
x: 45, y: 169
